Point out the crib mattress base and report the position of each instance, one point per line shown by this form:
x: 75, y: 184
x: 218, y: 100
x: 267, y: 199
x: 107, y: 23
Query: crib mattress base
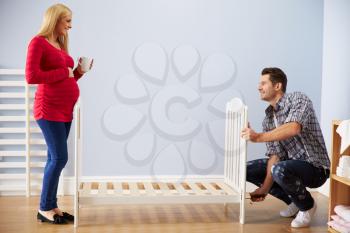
x: 107, y: 193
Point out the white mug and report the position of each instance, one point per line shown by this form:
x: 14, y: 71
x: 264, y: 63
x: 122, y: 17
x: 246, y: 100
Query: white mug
x: 85, y: 63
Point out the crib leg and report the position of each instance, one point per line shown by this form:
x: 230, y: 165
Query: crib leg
x: 76, y: 218
x: 76, y: 211
x: 242, y: 209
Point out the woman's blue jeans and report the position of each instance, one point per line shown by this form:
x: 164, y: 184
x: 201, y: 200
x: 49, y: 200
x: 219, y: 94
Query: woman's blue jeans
x: 56, y: 134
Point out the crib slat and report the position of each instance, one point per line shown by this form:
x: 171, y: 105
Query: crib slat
x: 211, y: 189
x: 238, y: 149
x: 196, y: 189
x: 180, y: 189
x: 118, y: 188
x: 86, y: 188
x: 164, y: 188
x: 229, y: 141
x: 226, y: 188
x: 226, y: 140
x: 134, y: 189
x: 231, y: 147
x: 149, y: 189
x: 102, y: 188
x: 205, y: 190
x: 189, y: 191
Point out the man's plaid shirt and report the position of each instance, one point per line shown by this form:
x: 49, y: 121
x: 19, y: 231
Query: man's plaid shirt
x: 309, y: 144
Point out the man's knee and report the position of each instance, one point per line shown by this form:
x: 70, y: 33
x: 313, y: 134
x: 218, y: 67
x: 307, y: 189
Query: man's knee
x: 258, y: 163
x: 255, y: 169
x: 278, y: 171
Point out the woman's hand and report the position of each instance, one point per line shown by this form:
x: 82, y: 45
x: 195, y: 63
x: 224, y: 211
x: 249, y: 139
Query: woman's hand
x: 80, y: 70
x: 71, y: 74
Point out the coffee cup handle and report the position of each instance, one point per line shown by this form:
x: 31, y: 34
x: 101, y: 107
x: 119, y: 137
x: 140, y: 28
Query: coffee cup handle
x: 91, y: 63
x: 79, y: 61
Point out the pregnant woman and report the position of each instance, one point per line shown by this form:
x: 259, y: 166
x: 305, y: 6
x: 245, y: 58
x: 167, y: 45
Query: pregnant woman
x: 50, y: 66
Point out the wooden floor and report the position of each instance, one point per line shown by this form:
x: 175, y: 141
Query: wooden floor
x: 18, y: 215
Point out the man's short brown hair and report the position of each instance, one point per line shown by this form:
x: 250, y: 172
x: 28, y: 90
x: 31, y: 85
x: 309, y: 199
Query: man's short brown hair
x: 276, y: 76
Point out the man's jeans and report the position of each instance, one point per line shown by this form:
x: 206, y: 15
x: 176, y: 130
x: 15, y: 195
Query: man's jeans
x: 291, y: 177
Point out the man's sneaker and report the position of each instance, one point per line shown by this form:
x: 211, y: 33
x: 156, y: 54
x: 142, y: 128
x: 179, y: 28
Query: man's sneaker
x: 304, y: 218
x: 290, y: 211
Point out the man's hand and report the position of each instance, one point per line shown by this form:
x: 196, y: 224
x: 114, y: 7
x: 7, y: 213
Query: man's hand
x: 259, y: 194
x: 250, y: 134
x: 280, y: 133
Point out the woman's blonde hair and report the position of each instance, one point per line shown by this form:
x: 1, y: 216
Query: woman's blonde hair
x: 52, y: 16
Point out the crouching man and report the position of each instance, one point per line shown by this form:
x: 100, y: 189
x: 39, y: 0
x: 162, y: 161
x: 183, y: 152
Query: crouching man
x: 296, y: 153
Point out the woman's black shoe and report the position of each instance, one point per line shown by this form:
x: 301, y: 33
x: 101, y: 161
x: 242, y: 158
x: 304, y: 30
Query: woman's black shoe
x: 68, y: 217
x: 56, y: 219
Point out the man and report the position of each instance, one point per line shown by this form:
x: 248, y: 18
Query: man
x: 297, y: 155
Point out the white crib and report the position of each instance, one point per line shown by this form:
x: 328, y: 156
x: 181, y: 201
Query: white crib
x: 230, y: 190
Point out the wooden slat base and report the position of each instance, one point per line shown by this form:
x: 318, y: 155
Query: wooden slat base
x: 105, y: 193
